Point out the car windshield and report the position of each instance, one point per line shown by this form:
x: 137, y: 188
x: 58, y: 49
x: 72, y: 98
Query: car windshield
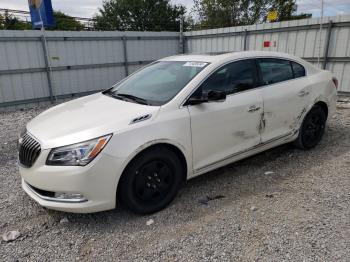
x: 157, y: 83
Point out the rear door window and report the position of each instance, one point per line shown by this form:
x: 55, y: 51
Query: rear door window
x: 274, y: 70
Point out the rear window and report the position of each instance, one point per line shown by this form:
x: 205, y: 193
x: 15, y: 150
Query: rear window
x: 275, y: 70
x: 299, y: 70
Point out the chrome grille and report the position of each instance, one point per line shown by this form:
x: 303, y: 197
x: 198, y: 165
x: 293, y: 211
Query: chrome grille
x: 29, y: 150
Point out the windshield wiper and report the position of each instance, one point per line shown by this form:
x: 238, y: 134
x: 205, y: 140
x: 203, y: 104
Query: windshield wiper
x: 111, y: 94
x: 126, y: 97
x: 132, y: 98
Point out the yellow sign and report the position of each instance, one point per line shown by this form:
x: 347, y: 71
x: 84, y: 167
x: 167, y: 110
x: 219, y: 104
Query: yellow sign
x: 35, y: 3
x: 272, y: 16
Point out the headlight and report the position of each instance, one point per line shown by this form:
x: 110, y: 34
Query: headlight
x: 79, y: 154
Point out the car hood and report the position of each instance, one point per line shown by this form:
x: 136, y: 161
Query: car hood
x: 85, y: 118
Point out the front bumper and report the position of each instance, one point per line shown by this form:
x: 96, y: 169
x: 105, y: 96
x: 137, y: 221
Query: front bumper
x: 97, y: 182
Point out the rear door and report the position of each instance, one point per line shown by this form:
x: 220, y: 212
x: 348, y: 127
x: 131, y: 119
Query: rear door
x: 223, y: 129
x: 285, y: 94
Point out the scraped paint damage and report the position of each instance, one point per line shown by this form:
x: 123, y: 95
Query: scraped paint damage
x: 243, y: 135
x: 297, y: 119
x: 262, y: 123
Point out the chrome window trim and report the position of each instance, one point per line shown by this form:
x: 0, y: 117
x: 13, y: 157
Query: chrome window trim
x: 285, y: 59
x: 253, y: 89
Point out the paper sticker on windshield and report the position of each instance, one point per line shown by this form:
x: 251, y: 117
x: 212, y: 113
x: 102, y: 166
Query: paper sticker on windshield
x: 195, y: 64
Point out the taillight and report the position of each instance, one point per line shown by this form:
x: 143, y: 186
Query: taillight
x: 335, y: 81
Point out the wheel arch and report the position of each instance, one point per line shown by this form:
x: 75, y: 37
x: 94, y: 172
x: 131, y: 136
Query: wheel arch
x: 171, y: 147
x: 324, y: 107
x: 317, y: 102
x: 178, y: 149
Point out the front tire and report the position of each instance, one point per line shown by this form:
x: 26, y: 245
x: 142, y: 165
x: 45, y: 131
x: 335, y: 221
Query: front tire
x: 312, y: 128
x: 151, y: 181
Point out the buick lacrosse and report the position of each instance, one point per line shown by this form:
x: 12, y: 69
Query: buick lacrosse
x: 136, y: 143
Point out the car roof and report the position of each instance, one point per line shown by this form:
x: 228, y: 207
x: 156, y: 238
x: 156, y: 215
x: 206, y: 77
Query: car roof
x: 221, y: 57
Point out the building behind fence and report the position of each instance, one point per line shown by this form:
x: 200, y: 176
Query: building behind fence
x: 80, y: 63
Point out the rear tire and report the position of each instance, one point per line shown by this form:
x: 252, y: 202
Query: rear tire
x: 151, y: 181
x: 312, y: 128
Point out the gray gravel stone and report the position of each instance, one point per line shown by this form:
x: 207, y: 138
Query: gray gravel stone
x: 149, y: 222
x: 253, y: 208
x: 64, y: 220
x: 311, y: 197
x: 11, y: 236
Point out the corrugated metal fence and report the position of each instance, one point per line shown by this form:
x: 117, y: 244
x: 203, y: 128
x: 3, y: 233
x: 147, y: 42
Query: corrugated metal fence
x: 78, y: 63
x: 84, y: 62
x: 299, y: 37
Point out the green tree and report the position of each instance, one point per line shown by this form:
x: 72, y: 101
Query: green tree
x: 9, y: 22
x: 225, y: 13
x: 286, y: 10
x: 64, y: 22
x: 2, y: 19
x: 139, y: 15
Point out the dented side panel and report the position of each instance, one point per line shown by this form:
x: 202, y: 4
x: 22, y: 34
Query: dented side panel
x: 285, y: 104
x: 323, y: 90
x: 225, y: 128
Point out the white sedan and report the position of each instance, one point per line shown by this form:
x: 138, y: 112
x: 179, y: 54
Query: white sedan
x: 139, y: 141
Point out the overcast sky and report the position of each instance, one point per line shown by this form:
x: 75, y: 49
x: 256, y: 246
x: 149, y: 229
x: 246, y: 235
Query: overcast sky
x: 87, y: 8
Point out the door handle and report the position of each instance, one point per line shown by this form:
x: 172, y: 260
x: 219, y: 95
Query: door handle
x: 253, y: 108
x: 303, y: 93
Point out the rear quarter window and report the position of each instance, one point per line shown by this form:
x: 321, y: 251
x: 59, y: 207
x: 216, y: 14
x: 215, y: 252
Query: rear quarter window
x: 299, y: 70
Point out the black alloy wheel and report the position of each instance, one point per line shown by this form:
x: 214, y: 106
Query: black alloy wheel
x: 151, y: 181
x: 312, y: 128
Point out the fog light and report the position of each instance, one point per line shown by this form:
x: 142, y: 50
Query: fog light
x: 71, y: 197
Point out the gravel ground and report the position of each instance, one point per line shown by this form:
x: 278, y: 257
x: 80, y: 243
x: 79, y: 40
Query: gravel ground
x: 242, y: 212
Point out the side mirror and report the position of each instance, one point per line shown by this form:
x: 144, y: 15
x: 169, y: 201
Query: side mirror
x: 216, y: 96
x: 207, y: 96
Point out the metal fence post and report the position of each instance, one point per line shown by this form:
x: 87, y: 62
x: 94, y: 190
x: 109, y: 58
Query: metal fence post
x: 326, y: 47
x: 181, y: 40
x: 125, y: 56
x: 47, y: 68
x: 245, y: 39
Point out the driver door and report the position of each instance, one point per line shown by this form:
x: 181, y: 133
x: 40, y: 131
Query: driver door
x: 221, y: 130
